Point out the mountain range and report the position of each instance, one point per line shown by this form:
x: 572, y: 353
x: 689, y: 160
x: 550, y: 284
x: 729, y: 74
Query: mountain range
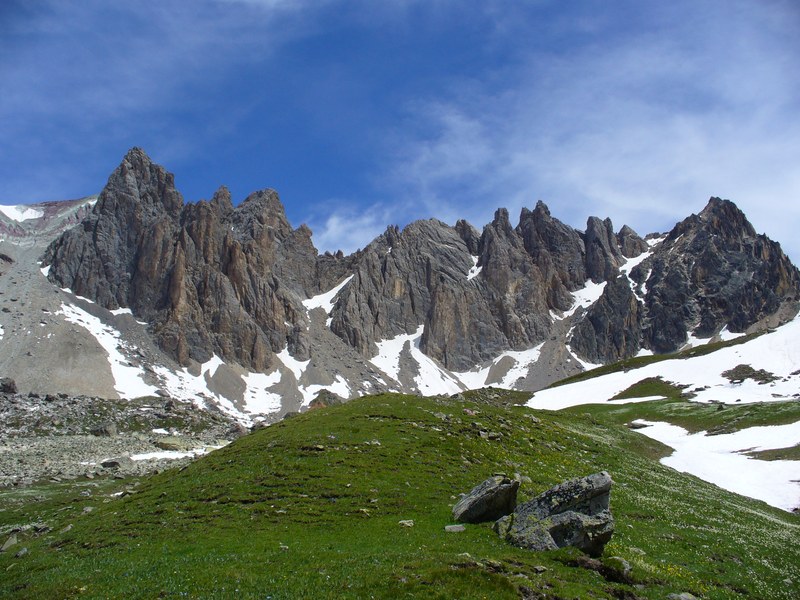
x: 136, y: 292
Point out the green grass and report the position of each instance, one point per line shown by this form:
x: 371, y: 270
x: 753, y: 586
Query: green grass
x: 309, y: 508
x: 642, y: 361
x: 696, y: 416
x: 792, y: 453
x: 651, y: 386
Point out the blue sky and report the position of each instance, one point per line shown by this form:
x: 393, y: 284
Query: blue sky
x: 368, y: 113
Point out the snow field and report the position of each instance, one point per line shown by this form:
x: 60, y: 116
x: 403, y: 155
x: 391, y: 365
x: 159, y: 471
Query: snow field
x: 21, y: 213
x: 720, y: 459
x: 127, y: 379
x: 430, y: 379
x: 776, y: 352
x: 327, y: 300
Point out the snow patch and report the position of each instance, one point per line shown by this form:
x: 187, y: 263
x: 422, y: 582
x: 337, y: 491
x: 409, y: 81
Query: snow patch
x: 171, y: 454
x: 586, y: 296
x: 290, y: 362
x: 127, y: 379
x: 340, y: 387
x: 257, y: 398
x: 523, y: 360
x: 430, y: 380
x: 45, y: 270
x: 121, y: 311
x: 777, y: 352
x: 327, y: 300
x: 21, y: 212
x: 474, y: 270
x: 719, y: 459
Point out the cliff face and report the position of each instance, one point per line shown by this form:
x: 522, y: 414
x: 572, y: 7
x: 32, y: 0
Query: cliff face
x: 210, y: 278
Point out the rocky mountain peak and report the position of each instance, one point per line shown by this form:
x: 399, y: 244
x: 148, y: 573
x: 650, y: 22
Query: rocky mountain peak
x: 239, y: 282
x: 138, y: 181
x: 630, y: 244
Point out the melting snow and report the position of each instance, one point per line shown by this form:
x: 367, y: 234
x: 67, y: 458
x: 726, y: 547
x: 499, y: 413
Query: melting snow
x: 257, y: 399
x: 523, y: 360
x: 21, y: 212
x: 172, y: 454
x: 474, y: 270
x: 339, y: 387
x: 719, y: 459
x: 45, y: 270
x: 586, y: 296
x: 121, y: 311
x: 127, y: 379
x: 327, y: 300
x: 776, y: 352
x: 431, y: 378
x: 295, y: 366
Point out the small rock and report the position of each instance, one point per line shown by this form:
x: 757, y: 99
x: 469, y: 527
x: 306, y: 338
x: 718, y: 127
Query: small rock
x: 487, y: 501
x: 454, y: 528
x: 11, y: 541
x: 21, y: 553
x: 8, y: 385
x: 66, y: 529
x: 406, y: 523
x: 539, y: 569
x: 105, y: 430
x: 682, y: 596
x: 87, y: 509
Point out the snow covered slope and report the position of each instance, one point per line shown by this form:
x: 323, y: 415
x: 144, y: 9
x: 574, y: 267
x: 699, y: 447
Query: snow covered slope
x: 777, y: 352
x: 723, y: 459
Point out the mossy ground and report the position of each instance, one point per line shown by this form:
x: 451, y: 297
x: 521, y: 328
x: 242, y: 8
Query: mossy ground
x: 309, y: 508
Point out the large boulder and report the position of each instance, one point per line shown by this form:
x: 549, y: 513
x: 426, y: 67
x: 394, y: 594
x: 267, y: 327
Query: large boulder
x: 8, y: 385
x: 573, y: 513
x: 487, y: 501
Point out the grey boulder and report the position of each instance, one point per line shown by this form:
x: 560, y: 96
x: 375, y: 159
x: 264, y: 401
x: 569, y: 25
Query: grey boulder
x: 487, y: 501
x: 573, y: 513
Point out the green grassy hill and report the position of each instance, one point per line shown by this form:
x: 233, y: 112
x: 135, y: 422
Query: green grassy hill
x: 309, y: 508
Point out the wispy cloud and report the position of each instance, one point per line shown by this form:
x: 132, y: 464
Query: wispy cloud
x: 641, y: 126
x: 348, y: 227
x: 91, y: 78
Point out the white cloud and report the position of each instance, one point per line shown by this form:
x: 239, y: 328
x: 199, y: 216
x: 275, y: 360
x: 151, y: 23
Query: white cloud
x: 640, y: 126
x: 349, y: 227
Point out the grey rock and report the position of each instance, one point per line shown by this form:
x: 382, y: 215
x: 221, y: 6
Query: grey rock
x: 630, y: 244
x: 573, y: 513
x: 107, y: 429
x: 612, y: 327
x: 487, y: 501
x: 11, y: 541
x: 8, y: 386
x: 603, y: 256
x: 454, y: 528
x: 22, y: 552
x: 712, y: 271
x: 682, y: 596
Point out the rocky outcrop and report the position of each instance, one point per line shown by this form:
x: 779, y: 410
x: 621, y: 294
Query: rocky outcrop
x: 603, y: 256
x: 612, y: 326
x: 211, y: 278
x: 712, y: 271
x: 208, y: 278
x: 573, y: 513
x: 487, y: 501
x: 630, y: 244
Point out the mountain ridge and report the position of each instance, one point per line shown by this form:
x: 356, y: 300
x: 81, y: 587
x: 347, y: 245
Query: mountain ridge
x: 520, y: 306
